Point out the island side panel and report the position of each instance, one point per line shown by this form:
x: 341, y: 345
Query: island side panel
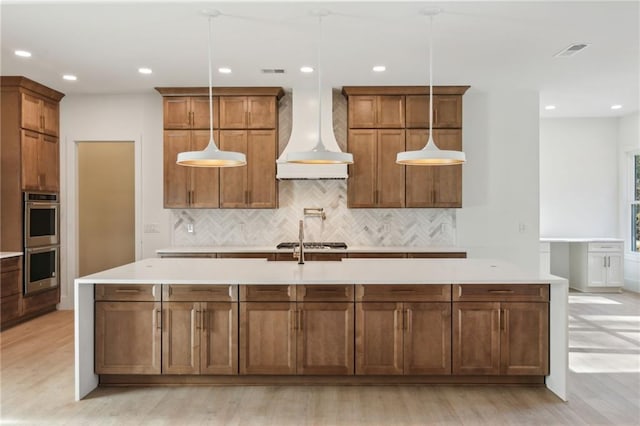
x: 558, y: 339
x: 85, y: 378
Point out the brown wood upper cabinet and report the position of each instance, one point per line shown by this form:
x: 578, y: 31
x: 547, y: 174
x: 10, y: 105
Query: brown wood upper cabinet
x: 189, y: 112
x: 190, y: 187
x: 434, y: 186
x: 255, y: 185
x: 497, y: 336
x: 447, y: 111
x: 40, y: 115
x: 369, y: 112
x: 40, y: 162
x: 248, y: 112
x: 375, y: 180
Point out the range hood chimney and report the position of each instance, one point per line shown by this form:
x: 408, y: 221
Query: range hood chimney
x: 304, y: 136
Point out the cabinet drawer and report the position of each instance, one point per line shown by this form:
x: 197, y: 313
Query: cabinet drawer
x: 609, y: 247
x: 187, y: 255
x: 268, y: 256
x: 377, y: 255
x: 199, y: 293
x: 10, y: 308
x: 403, y: 293
x: 10, y: 282
x: 501, y: 292
x: 128, y: 292
x: 11, y: 263
x: 438, y: 255
x: 40, y: 301
x: 325, y: 293
x: 267, y: 293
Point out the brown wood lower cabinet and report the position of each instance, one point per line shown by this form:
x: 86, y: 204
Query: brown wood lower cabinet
x: 128, y: 336
x: 200, y: 338
x: 501, y: 338
x: 394, y: 338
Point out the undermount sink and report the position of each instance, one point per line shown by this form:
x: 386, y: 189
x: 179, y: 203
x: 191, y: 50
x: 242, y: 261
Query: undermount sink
x: 313, y: 245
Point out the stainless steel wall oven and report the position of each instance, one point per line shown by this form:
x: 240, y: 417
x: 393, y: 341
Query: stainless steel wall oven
x: 41, y: 241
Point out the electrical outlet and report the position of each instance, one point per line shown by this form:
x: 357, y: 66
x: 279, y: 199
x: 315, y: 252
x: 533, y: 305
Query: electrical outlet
x: 190, y: 228
x: 151, y: 228
x: 522, y: 228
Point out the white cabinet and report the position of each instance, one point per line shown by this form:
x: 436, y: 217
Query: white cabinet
x: 597, y: 266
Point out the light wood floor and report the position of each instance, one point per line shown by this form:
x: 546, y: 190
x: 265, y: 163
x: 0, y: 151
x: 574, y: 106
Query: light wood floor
x: 37, y: 386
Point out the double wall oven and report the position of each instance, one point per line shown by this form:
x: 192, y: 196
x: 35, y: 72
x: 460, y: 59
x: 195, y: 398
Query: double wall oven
x: 41, y: 241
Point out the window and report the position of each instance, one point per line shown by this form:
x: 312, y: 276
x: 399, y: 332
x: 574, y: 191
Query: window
x: 635, y: 205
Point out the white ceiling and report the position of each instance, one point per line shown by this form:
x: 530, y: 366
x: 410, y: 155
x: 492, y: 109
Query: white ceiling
x: 486, y: 45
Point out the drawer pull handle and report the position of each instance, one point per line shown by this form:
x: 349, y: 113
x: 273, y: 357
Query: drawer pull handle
x: 127, y: 290
x: 501, y: 291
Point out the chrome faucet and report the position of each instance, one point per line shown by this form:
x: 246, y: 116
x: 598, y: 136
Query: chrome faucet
x: 299, y: 254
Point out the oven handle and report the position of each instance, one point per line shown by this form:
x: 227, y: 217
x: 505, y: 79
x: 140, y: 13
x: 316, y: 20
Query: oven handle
x: 43, y: 204
x: 42, y: 249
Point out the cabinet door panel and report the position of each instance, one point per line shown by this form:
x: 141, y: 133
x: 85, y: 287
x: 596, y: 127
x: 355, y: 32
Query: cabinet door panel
x: 176, y: 112
x: 447, y: 111
x: 267, y: 338
x: 390, y: 177
x: 417, y: 112
x: 51, y: 118
x: 31, y: 113
x: 261, y: 112
x: 390, y: 112
x: 379, y: 329
x: 200, y: 112
x: 261, y: 169
x: 175, y: 176
x: 447, y: 179
x: 361, y: 185
x: 362, y: 112
x: 427, y: 338
x: 476, y: 338
x: 233, y: 112
x: 233, y: 180
x: 128, y: 336
x: 524, y: 345
x: 597, y: 271
x: 419, y: 181
x: 49, y: 163
x: 181, y: 338
x: 29, y: 152
x: 325, y: 338
x: 205, y: 181
x: 615, y: 276
x: 219, y: 342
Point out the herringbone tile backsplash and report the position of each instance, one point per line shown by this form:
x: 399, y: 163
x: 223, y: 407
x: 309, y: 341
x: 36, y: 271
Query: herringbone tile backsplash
x: 377, y: 227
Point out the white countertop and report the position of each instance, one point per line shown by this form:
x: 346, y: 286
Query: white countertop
x: 348, y: 271
x: 273, y: 249
x: 7, y: 254
x: 580, y: 240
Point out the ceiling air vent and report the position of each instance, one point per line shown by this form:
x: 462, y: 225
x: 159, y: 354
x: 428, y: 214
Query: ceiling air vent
x: 571, y: 50
x: 272, y: 71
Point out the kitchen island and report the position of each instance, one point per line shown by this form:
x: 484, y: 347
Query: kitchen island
x: 451, y: 277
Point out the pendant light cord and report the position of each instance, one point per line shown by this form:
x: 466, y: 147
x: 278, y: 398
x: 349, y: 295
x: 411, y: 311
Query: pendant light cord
x: 211, y: 141
x: 319, y: 144
x: 431, y: 77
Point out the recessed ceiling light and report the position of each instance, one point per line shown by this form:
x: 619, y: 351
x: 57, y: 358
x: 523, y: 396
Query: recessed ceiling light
x: 617, y: 106
x: 23, y: 53
x: 379, y: 68
x: 550, y: 107
x: 306, y: 69
x: 224, y: 70
x: 69, y: 77
x: 145, y: 70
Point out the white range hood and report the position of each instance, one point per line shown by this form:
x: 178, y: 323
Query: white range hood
x: 304, y: 136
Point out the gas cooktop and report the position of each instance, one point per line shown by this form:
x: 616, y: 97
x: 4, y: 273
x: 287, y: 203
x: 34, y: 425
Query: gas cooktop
x: 312, y: 245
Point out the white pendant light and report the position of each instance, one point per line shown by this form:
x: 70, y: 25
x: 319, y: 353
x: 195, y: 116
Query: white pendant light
x: 211, y: 156
x: 320, y: 154
x: 430, y: 155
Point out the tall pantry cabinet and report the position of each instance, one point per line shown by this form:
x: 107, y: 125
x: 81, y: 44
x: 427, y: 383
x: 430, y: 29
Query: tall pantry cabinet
x: 30, y: 155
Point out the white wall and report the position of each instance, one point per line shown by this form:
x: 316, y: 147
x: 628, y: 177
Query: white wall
x: 578, y: 177
x: 135, y: 118
x: 628, y: 142
x: 500, y: 214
